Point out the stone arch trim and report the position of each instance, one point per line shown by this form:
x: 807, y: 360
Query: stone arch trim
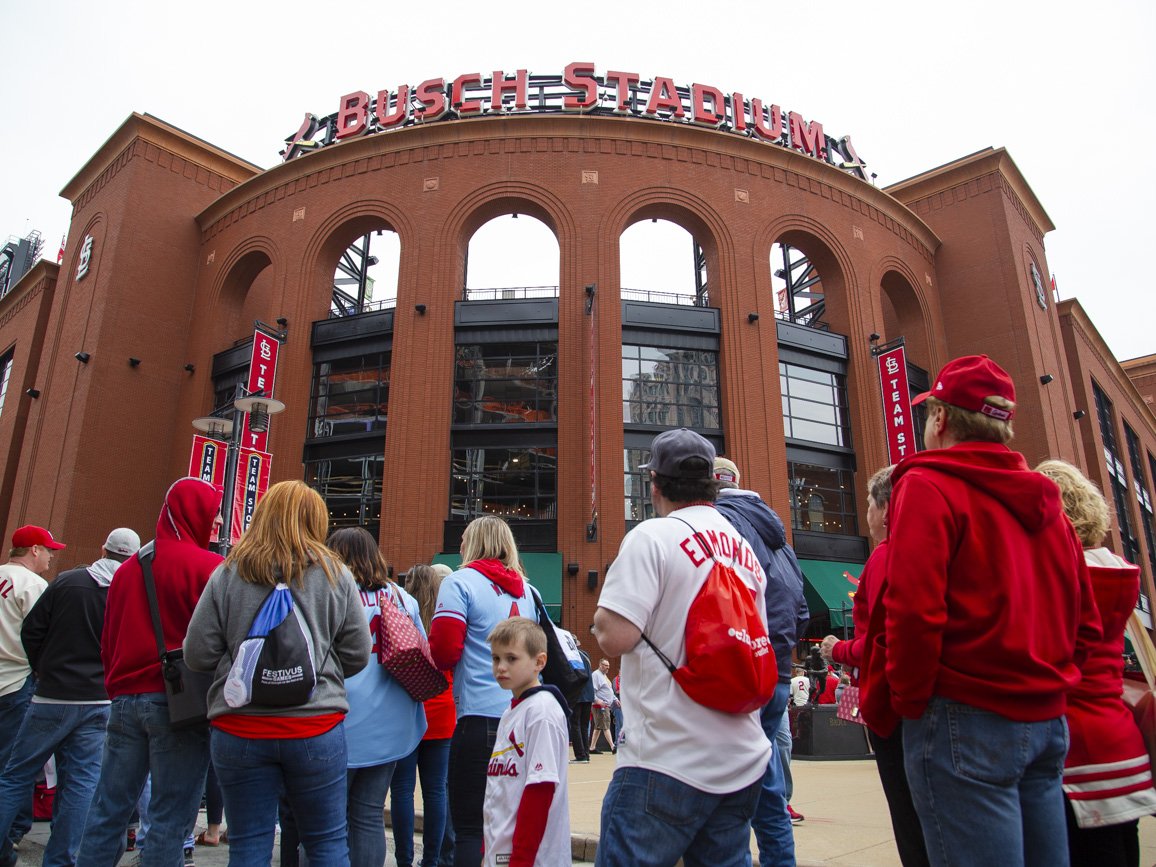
x: 392, y: 215
x: 780, y: 226
x: 466, y: 216
x: 257, y: 244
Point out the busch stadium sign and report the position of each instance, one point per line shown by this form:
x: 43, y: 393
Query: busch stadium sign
x: 578, y: 90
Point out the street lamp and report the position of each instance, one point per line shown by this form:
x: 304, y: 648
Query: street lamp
x: 229, y: 431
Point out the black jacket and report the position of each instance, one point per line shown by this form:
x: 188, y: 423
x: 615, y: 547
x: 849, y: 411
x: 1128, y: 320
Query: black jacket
x: 787, y: 611
x: 61, y: 636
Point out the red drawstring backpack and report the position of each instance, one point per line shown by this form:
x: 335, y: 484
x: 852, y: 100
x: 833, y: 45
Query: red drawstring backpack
x: 730, y: 666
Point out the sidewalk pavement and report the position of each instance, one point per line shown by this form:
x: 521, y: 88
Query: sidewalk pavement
x: 846, y: 818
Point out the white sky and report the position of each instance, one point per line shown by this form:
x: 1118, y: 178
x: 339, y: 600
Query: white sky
x: 1066, y: 87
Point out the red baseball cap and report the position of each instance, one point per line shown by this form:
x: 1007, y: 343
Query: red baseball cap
x: 30, y: 535
x: 965, y: 382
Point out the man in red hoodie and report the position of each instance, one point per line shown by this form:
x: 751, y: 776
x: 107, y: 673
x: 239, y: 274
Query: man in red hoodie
x: 987, y: 612
x: 140, y: 740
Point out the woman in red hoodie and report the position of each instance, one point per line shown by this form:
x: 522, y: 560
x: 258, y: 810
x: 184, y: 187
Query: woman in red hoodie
x: 488, y: 588
x: 888, y: 749
x: 1107, y: 775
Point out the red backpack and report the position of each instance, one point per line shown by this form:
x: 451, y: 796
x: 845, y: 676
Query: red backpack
x: 730, y: 666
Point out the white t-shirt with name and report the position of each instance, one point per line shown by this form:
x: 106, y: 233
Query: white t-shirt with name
x: 531, y: 747
x: 659, y: 570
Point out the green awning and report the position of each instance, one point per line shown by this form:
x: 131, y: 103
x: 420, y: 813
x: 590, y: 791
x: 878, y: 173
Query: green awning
x: 830, y: 587
x: 543, y: 570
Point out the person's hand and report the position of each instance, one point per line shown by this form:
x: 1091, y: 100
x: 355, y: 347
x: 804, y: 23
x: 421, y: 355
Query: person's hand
x: 827, y: 646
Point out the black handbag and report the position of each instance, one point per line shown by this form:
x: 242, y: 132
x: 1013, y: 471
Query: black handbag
x: 558, y: 671
x: 187, y: 691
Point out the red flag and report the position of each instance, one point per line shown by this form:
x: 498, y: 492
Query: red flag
x: 60, y: 255
x: 1055, y: 291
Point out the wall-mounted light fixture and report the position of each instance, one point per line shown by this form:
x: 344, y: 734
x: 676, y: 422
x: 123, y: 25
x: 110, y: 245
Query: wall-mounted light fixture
x: 591, y: 289
x: 33, y: 393
x: 282, y: 321
x: 133, y: 362
x: 420, y: 308
x: 592, y: 579
x: 1046, y: 378
x: 571, y: 569
x: 752, y: 317
x: 190, y: 367
x: 1078, y: 414
x: 82, y: 357
x: 873, y: 337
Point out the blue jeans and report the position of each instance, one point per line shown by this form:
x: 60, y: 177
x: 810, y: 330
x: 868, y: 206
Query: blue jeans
x: 12, y: 709
x: 771, y: 823
x: 75, y: 733
x: 431, y: 759
x: 367, y: 789
x: 652, y: 820
x: 987, y: 788
x: 616, y: 716
x: 784, y: 744
x: 311, y: 772
x: 139, y: 742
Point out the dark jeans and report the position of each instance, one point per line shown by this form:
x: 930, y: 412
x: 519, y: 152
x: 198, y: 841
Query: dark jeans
x: 580, y: 730
x: 12, y: 709
x: 470, y: 750
x: 1110, y: 846
x: 430, y: 759
x: 214, y: 800
x: 904, y: 819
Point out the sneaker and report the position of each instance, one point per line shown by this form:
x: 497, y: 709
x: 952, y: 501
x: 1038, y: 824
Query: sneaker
x: 796, y: 817
x: 130, y: 841
x: 189, y: 857
x: 584, y: 761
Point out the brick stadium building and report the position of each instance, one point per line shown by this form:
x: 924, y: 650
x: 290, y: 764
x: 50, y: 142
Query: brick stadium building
x: 413, y: 416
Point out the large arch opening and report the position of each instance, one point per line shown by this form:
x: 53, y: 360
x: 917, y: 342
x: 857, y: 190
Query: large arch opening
x: 512, y: 256
x: 670, y: 375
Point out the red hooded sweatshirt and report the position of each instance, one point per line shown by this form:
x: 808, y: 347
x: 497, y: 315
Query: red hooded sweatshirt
x: 181, y: 569
x: 986, y: 597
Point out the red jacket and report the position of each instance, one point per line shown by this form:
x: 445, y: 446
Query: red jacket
x: 987, y: 599
x: 870, y: 579
x: 181, y: 569
x: 1107, y: 775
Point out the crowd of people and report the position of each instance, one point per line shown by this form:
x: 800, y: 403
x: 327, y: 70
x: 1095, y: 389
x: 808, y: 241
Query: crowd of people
x: 988, y: 651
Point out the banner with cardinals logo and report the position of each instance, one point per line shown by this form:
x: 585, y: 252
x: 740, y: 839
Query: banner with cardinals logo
x: 897, y: 418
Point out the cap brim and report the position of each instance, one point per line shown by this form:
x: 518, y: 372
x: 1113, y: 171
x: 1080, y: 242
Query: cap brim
x: 919, y: 398
x: 54, y: 545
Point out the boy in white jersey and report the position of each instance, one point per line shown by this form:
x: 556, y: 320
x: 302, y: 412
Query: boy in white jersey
x: 527, y: 807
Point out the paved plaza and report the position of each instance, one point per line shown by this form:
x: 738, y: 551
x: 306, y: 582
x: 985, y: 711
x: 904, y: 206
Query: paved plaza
x: 846, y: 818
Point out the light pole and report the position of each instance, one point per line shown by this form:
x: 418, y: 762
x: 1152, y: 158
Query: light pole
x: 216, y: 426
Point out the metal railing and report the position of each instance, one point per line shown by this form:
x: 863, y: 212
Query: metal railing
x: 338, y: 312
x: 651, y: 296
x: 510, y: 293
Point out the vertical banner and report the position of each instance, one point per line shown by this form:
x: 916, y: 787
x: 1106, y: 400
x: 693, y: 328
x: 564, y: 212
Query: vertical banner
x: 896, y: 404
x: 251, y: 485
x: 262, y: 376
x: 207, y: 461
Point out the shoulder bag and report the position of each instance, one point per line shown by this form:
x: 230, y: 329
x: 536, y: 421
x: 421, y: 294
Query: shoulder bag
x: 404, y: 651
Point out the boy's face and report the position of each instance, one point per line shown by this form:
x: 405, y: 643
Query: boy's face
x: 514, y: 668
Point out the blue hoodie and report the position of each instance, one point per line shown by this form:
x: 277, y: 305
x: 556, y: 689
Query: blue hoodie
x: 787, y: 612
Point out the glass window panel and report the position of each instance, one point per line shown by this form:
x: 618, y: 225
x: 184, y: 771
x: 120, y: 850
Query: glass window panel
x: 511, y: 383
x: 811, y: 411
x: 821, y: 501
x: 672, y: 388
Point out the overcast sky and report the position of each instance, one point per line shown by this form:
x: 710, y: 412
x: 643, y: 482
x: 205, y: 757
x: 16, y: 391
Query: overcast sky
x: 1070, y: 94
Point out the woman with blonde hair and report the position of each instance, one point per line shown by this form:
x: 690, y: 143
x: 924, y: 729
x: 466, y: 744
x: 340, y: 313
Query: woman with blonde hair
x: 384, y: 724
x: 1107, y: 773
x: 431, y: 757
x: 260, y: 750
x: 488, y: 588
